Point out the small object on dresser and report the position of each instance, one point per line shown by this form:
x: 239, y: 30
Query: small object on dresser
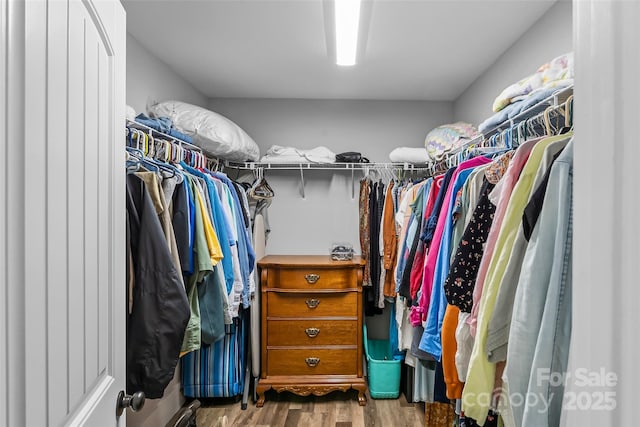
x: 341, y: 251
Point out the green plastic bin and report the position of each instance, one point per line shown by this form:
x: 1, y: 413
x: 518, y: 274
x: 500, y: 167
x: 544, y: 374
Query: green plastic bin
x: 383, y: 371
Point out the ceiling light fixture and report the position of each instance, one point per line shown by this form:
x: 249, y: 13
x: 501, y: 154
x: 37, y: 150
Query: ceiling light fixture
x: 347, y: 22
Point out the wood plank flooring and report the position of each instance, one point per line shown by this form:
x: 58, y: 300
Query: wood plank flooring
x: 336, y: 409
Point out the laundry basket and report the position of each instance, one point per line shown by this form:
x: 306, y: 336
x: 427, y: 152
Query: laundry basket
x: 383, y: 371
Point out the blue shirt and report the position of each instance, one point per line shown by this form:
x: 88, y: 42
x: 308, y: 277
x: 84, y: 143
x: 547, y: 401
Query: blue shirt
x: 431, y: 341
x: 219, y: 225
x: 192, y: 221
x: 246, y: 255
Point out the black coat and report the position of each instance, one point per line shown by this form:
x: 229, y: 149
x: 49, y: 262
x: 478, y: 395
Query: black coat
x: 160, y: 312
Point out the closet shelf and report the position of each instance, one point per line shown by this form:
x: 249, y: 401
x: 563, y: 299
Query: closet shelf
x: 555, y: 100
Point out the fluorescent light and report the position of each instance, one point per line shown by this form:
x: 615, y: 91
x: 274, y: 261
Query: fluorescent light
x: 347, y: 22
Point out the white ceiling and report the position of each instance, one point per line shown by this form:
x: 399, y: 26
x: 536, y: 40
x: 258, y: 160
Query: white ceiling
x: 414, y: 50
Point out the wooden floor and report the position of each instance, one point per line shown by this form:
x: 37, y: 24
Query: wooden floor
x: 336, y: 409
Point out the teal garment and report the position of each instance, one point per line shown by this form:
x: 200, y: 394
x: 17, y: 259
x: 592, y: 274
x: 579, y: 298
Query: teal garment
x: 202, y: 268
x: 212, y: 306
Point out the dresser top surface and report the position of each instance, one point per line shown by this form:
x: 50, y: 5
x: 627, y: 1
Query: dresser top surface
x: 307, y: 260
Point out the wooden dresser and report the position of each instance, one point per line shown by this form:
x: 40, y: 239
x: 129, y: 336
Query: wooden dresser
x: 312, y: 318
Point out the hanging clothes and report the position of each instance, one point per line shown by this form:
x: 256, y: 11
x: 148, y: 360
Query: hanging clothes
x: 480, y: 379
x: 159, y: 310
x: 390, y: 242
x: 191, y: 268
x: 541, y: 326
x: 498, y: 327
x: 460, y: 283
x: 500, y: 197
x: 365, y: 232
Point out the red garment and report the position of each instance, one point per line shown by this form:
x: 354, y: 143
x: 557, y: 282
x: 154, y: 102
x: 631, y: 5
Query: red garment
x: 418, y: 263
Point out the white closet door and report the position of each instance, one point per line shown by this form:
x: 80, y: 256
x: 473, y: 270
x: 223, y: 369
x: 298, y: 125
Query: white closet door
x: 604, y: 342
x: 74, y: 194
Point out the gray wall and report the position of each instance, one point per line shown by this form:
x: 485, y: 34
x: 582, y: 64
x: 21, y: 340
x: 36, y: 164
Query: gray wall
x: 148, y: 78
x: 550, y: 36
x: 328, y: 213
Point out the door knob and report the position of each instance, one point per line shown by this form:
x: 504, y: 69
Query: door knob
x: 135, y: 402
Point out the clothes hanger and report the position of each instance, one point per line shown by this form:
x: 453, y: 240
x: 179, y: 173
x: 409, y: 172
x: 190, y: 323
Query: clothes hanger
x: 152, y: 145
x: 163, y: 166
x: 522, y: 132
x: 533, y: 124
x: 261, y: 188
x: 135, y: 139
x: 547, y: 121
x: 132, y: 166
x: 567, y: 112
x: 150, y: 162
x: 142, y: 137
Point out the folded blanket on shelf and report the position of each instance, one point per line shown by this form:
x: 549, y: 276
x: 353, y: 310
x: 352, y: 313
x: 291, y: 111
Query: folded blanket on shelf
x: 280, y: 154
x: 539, y: 95
x: 524, y: 103
x: 164, y: 125
x: 557, y: 73
x: 501, y: 116
x: 445, y: 138
x: 409, y: 155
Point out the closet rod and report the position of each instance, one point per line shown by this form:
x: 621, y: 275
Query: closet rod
x: 351, y: 167
x: 327, y: 166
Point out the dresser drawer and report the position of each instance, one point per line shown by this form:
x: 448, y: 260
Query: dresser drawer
x: 312, y: 278
x: 338, y: 304
x: 303, y: 362
x: 311, y: 332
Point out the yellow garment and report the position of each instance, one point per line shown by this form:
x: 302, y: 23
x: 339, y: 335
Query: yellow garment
x: 478, y: 390
x: 215, y: 251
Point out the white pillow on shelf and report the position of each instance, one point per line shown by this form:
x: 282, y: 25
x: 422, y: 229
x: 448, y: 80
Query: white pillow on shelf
x: 214, y: 133
x: 409, y: 155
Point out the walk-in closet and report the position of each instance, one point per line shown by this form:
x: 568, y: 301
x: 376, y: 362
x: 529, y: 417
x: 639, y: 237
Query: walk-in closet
x: 330, y: 213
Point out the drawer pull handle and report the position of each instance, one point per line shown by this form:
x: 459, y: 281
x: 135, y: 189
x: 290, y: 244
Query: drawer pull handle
x: 312, y: 303
x: 312, y: 332
x: 312, y: 278
x: 312, y: 362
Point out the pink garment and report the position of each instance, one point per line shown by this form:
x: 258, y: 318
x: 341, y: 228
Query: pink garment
x: 510, y: 179
x: 432, y: 255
